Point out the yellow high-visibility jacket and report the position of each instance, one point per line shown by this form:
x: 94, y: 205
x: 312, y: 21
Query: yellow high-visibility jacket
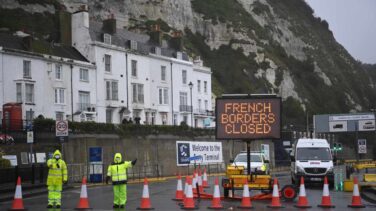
x: 118, y: 170
x: 57, y: 173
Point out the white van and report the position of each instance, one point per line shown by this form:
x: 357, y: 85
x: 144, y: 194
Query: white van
x: 259, y: 164
x: 312, y: 159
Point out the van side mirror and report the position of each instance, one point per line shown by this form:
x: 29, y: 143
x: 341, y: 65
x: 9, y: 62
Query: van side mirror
x: 266, y: 161
x: 292, y: 158
x: 231, y: 160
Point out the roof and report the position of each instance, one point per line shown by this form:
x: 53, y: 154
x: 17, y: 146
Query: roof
x: 122, y: 38
x: 12, y: 42
x: 306, y: 142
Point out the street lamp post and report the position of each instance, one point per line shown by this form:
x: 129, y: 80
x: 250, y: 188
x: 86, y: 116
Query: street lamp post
x: 190, y: 88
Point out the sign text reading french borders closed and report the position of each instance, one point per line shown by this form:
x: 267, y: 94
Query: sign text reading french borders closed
x: 248, y: 118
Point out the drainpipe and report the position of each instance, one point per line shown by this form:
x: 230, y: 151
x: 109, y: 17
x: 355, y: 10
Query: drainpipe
x: 71, y: 67
x: 126, y: 79
x: 172, y: 97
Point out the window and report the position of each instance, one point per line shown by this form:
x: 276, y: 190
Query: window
x: 133, y: 45
x: 59, y: 116
x: 183, y: 98
x: 185, y: 119
x: 163, y: 73
x: 205, y: 86
x: 84, y: 100
x: 58, y: 72
x: 59, y: 96
x: 19, y: 92
x: 199, y: 104
x: 107, y: 38
x: 108, y: 115
x: 29, y: 115
x: 184, y: 76
x: 199, y: 85
x: 111, y: 90
x: 206, y: 105
x: 29, y: 90
x: 26, y: 69
x: 134, y: 68
x: 107, y: 63
x: 137, y: 93
x: 175, y: 119
x: 84, y: 74
x: 163, y: 96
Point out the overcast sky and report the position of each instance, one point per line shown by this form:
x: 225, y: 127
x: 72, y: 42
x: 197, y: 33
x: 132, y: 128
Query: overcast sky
x: 353, y: 23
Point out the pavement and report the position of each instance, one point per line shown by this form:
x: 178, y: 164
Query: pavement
x: 162, y: 191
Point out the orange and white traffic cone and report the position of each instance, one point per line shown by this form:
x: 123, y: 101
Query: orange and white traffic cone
x: 302, y: 201
x: 18, y: 202
x: 205, y: 180
x: 145, y: 201
x: 189, y: 203
x: 246, y: 199
x: 84, y: 202
x: 179, y: 196
x: 194, y: 182
x: 216, y: 202
x: 200, y: 188
x: 356, y: 200
x: 276, y: 203
x: 325, y: 200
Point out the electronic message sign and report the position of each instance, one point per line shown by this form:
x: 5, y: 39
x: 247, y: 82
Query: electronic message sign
x: 248, y: 118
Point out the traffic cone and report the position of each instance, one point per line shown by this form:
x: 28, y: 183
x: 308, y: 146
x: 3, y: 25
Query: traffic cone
x: 18, y: 202
x: 325, y: 201
x: 216, y: 202
x: 276, y: 203
x: 205, y: 180
x: 246, y: 199
x: 200, y: 188
x: 179, y: 190
x: 189, y: 203
x: 194, y: 182
x: 356, y: 200
x: 145, y: 201
x: 302, y: 201
x: 84, y: 202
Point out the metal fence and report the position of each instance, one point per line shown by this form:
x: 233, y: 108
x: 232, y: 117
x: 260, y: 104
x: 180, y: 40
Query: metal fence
x: 36, y: 173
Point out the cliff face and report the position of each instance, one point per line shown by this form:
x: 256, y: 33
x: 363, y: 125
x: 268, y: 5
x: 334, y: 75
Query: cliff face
x: 252, y: 46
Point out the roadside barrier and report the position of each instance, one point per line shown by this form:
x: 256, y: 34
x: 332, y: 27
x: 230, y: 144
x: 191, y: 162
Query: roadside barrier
x: 302, y: 201
x: 216, y: 202
x: 83, y: 204
x: 356, y: 201
x: 326, y: 201
x: 205, y: 180
x: 189, y: 203
x: 276, y: 203
x: 145, y: 200
x: 179, y: 195
x: 18, y: 202
x: 246, y: 199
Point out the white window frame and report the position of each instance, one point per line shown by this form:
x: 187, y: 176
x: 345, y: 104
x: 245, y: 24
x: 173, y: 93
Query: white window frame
x: 205, y: 87
x: 83, y: 99
x: 84, y: 74
x: 19, y: 92
x: 199, y: 104
x: 58, y: 72
x: 26, y: 68
x: 138, y: 93
x: 59, y: 114
x: 184, y: 76
x: 107, y: 63
x: 206, y: 105
x: 163, y: 73
x: 163, y: 96
x: 134, y: 68
x: 199, y: 85
x: 112, y: 90
x: 183, y: 98
x: 59, y: 96
x: 107, y: 38
x: 29, y: 95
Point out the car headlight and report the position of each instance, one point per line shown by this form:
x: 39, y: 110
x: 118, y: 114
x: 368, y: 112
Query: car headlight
x: 300, y: 169
x: 330, y: 169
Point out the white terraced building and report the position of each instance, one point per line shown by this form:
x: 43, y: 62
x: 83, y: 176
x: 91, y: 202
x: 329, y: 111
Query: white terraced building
x: 140, y: 78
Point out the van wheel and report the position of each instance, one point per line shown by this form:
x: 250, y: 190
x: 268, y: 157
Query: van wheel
x: 225, y: 192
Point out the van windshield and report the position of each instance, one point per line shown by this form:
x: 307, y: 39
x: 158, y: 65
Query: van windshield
x: 313, y: 154
x: 243, y: 158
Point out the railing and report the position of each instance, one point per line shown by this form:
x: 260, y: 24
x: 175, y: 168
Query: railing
x: 36, y: 173
x: 203, y: 112
x: 185, y: 108
x: 86, y: 107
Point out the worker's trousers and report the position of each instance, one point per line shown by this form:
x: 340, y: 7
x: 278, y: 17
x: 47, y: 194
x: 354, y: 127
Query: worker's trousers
x: 54, y: 194
x: 120, y: 194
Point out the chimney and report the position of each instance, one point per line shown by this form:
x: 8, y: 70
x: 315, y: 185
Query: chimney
x: 109, y: 25
x: 27, y: 42
x: 81, y: 17
x: 156, y: 35
x: 65, y: 20
x: 176, y: 41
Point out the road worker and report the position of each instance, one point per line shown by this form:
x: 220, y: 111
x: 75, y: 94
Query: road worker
x: 57, y: 175
x: 117, y: 172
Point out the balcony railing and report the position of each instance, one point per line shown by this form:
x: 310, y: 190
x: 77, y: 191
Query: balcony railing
x: 185, y: 108
x: 203, y: 112
x: 86, y: 107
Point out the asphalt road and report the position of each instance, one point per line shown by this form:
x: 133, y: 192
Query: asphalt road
x: 100, y: 198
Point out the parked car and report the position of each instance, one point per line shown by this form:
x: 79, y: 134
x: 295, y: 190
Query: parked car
x: 6, y: 139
